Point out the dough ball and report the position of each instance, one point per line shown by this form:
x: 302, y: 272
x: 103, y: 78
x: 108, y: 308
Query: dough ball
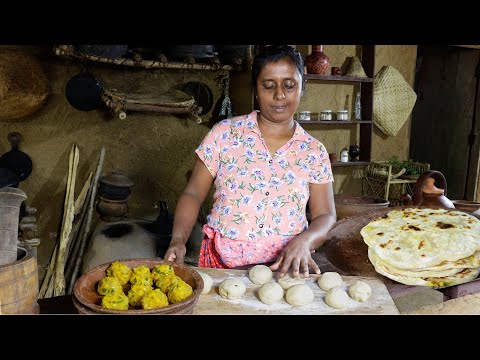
x: 360, y: 291
x: 207, y: 282
x: 336, y: 298
x: 329, y: 280
x: 260, y: 274
x: 232, y: 288
x: 270, y: 293
x: 287, y: 281
x: 299, y: 295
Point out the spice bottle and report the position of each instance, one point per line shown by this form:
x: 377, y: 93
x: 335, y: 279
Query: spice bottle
x: 344, y: 155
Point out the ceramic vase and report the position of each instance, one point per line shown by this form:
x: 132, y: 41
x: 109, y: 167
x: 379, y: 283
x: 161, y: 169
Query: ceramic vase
x: 317, y: 62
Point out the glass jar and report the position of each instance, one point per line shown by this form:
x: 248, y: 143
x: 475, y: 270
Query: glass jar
x: 342, y: 115
x: 326, y: 115
x: 304, y: 115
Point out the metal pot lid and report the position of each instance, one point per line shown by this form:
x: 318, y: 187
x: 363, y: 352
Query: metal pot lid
x: 116, y: 179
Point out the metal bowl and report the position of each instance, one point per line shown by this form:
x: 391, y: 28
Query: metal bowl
x: 87, y: 300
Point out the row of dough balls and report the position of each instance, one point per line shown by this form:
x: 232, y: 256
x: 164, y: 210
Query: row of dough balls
x: 297, y: 292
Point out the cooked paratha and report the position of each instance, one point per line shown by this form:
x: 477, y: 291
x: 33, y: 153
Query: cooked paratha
x: 422, y: 238
x: 461, y: 277
x: 423, y: 273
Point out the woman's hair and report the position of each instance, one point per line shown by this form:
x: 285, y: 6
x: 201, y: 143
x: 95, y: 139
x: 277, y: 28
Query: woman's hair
x: 274, y: 53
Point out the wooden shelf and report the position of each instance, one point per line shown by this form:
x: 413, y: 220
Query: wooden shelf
x: 70, y: 52
x: 331, y: 122
x: 350, y: 163
x: 338, y: 78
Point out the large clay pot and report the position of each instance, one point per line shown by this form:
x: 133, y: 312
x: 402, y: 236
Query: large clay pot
x: 425, y: 193
x: 317, y: 62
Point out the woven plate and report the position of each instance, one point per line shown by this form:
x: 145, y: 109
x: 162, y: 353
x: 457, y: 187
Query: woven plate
x: 393, y: 100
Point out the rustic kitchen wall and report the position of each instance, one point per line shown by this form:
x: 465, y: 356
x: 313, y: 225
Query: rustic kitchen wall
x: 156, y: 150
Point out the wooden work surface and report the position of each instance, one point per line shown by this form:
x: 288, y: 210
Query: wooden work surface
x: 380, y: 302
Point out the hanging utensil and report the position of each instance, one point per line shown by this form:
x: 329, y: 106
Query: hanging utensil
x: 223, y: 107
x: 15, y: 160
x: 8, y: 178
x: 84, y: 91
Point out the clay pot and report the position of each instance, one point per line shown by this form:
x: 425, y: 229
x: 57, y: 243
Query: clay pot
x: 112, y: 210
x: 87, y: 300
x: 348, y: 205
x: 317, y: 62
x: 425, y: 193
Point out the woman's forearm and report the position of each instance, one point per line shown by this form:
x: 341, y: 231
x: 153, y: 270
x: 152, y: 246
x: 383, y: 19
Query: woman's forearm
x: 316, y: 234
x: 186, y: 214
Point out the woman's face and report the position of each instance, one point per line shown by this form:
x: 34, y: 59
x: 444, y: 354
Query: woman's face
x: 279, y: 88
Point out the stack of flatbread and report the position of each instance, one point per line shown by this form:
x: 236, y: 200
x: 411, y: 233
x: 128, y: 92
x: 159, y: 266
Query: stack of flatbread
x: 425, y: 246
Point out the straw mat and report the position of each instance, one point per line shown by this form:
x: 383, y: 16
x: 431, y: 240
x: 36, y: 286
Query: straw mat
x: 393, y: 100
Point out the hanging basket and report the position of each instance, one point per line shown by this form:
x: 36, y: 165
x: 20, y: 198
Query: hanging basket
x: 24, y: 86
x: 393, y: 100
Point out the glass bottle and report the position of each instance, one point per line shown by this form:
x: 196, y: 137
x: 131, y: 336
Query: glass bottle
x: 358, y: 107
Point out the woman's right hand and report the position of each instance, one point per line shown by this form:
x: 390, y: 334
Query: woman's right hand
x: 176, y: 252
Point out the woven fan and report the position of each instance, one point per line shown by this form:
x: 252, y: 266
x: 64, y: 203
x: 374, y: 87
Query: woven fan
x: 355, y: 68
x: 393, y: 100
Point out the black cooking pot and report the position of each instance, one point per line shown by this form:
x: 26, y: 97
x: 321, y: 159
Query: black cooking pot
x: 15, y: 160
x: 8, y: 178
x: 84, y: 91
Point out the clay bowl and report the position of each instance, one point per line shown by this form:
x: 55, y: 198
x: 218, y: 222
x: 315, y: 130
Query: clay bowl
x: 88, y: 301
x: 349, y: 205
x: 467, y: 205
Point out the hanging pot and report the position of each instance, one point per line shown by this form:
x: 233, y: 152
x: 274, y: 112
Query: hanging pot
x: 8, y: 178
x: 15, y: 160
x: 84, y: 91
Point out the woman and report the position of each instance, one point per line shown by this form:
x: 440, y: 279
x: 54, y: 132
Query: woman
x: 265, y: 168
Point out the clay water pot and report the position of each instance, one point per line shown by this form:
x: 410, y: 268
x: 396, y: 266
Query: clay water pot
x: 425, y: 193
x: 317, y: 62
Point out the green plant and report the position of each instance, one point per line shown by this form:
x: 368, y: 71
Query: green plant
x: 407, y: 164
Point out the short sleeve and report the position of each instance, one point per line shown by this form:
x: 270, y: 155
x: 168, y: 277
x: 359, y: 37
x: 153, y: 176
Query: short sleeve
x: 320, y: 168
x: 209, y: 152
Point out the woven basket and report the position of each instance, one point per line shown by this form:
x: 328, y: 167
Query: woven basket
x: 393, y: 100
x: 355, y: 68
x: 24, y: 86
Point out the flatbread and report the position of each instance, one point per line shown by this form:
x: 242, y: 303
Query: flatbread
x: 374, y: 259
x: 422, y: 238
x: 461, y: 277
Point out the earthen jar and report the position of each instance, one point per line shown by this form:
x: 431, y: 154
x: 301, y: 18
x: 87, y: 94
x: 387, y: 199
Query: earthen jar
x: 317, y: 62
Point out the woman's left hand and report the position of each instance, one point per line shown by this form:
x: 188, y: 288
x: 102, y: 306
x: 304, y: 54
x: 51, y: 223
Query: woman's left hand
x: 297, y: 255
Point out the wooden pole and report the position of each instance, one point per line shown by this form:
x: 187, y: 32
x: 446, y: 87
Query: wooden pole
x: 68, y: 215
x: 86, y: 230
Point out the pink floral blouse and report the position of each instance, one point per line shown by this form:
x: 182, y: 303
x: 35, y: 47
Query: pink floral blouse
x: 260, y: 200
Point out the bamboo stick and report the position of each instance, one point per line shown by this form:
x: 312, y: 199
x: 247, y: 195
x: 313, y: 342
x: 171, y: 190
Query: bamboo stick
x: 83, y: 194
x: 59, y: 285
x: 48, y: 274
x: 79, y: 207
x: 86, y: 230
x: 77, y: 230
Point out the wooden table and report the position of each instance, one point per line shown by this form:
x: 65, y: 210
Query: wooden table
x: 212, y: 303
